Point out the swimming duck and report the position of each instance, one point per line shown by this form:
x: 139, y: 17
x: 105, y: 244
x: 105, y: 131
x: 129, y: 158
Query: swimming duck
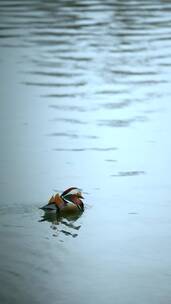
x: 69, y: 201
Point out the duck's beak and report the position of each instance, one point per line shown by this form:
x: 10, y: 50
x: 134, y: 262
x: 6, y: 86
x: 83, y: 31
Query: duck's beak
x: 49, y: 207
x: 80, y: 195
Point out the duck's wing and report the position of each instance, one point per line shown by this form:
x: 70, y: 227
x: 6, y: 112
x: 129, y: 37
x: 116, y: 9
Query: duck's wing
x: 74, y: 200
x: 54, y: 203
x: 49, y: 207
x: 51, y: 200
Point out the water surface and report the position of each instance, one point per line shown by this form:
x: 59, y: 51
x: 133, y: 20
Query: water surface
x: 85, y: 101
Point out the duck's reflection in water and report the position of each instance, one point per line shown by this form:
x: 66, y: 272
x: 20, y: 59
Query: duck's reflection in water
x: 63, y: 223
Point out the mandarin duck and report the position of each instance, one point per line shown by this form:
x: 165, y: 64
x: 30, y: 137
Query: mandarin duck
x: 69, y: 201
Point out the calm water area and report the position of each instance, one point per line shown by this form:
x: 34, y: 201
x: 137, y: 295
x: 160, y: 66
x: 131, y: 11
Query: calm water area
x: 85, y: 100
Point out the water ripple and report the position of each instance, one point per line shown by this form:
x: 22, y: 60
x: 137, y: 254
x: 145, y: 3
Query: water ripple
x: 121, y: 122
x: 70, y: 121
x: 68, y: 108
x: 86, y: 149
x: 69, y: 135
x: 128, y: 173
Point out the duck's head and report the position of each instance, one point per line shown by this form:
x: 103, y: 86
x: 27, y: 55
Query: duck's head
x: 72, y: 191
x: 74, y: 196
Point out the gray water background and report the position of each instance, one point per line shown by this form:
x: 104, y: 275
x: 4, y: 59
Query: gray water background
x: 85, y: 91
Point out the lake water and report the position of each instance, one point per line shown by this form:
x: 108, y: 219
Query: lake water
x: 85, y: 100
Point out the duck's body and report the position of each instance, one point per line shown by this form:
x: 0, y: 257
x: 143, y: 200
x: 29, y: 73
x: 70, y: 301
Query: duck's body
x: 68, y: 202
